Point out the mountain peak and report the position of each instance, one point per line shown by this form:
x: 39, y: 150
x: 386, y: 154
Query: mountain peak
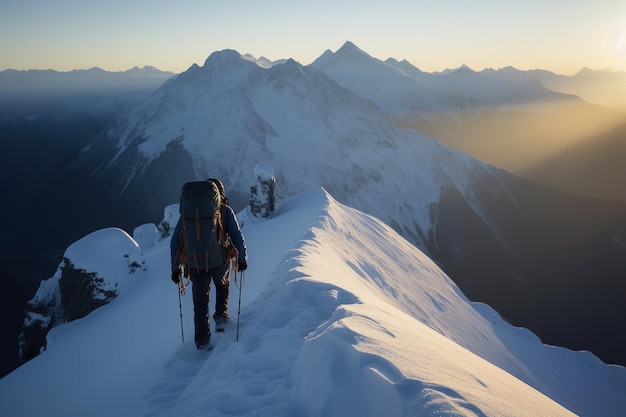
x: 222, y: 57
x: 464, y: 69
x: 348, y: 55
x: 288, y: 68
x: 350, y: 50
x: 406, y: 68
x: 223, y: 66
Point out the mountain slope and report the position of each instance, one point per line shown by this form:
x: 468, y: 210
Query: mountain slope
x: 340, y: 316
x: 605, y: 88
x: 594, y: 166
x: 507, y: 242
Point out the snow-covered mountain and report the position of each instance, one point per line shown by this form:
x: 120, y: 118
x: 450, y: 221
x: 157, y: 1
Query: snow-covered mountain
x: 339, y: 316
x: 231, y: 113
x: 505, y: 241
x: 404, y: 91
x: 512, y: 119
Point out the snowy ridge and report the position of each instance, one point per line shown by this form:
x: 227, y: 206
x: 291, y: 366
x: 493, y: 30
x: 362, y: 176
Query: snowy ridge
x: 340, y: 316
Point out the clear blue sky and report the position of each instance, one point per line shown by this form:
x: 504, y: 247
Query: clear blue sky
x: 559, y: 35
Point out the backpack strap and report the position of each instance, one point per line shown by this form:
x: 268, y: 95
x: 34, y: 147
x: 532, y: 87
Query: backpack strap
x: 182, y: 256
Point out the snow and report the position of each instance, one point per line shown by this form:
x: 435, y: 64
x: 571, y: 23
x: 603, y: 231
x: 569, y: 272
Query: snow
x: 263, y: 170
x: 340, y: 316
x: 95, y: 249
x: 146, y: 235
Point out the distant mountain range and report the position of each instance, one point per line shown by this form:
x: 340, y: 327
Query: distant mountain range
x: 25, y: 93
x: 506, y: 241
x: 80, y: 80
x: 512, y: 119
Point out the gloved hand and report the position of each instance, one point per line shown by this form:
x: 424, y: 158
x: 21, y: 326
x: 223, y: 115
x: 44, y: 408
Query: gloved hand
x: 176, y: 276
x: 242, y: 266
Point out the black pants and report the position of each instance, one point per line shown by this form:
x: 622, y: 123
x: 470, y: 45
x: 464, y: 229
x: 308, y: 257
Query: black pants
x: 201, y: 290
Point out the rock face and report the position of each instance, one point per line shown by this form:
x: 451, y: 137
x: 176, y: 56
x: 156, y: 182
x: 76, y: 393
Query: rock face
x: 82, y: 292
x: 42, y: 313
x: 262, y: 200
x: 89, y: 277
x: 72, y: 294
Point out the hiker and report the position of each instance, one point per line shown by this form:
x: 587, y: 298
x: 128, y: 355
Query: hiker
x: 200, y: 272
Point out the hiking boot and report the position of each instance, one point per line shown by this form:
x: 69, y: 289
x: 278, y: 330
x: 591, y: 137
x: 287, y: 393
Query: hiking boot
x: 204, y: 343
x: 205, y: 348
x: 221, y: 322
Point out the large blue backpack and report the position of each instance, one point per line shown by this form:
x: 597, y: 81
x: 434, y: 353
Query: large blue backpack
x: 202, y: 231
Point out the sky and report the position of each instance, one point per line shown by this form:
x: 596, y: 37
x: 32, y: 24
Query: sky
x: 338, y: 340
x: 558, y: 35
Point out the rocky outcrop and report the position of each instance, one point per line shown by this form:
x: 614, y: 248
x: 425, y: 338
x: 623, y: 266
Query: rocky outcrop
x: 72, y: 294
x: 89, y: 277
x: 262, y: 200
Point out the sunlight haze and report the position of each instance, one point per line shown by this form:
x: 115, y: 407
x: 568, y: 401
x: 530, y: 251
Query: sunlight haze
x: 560, y: 36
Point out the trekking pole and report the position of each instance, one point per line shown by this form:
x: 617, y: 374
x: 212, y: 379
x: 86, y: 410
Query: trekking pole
x: 239, y: 312
x: 181, y: 291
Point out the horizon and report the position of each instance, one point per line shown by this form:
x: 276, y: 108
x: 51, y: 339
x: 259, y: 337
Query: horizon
x: 142, y: 67
x: 432, y: 36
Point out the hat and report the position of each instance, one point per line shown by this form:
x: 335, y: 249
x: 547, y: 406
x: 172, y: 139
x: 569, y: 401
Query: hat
x: 219, y: 185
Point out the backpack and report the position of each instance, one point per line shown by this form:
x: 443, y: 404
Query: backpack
x: 202, y: 231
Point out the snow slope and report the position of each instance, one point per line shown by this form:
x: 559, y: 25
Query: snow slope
x: 339, y: 316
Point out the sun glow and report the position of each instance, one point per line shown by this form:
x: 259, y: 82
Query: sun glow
x: 620, y: 43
